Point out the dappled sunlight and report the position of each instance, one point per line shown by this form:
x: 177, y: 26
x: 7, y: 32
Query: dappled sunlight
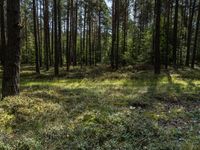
x: 102, y: 110
x: 5, y: 121
x: 27, y: 111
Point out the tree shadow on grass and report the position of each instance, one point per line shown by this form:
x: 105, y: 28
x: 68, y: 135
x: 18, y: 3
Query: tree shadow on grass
x: 49, y: 109
x: 190, y: 74
x: 40, y: 113
x: 168, y: 92
x: 71, y: 99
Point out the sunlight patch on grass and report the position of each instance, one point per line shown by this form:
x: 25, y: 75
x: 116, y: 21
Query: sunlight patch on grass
x: 5, y: 121
x: 92, y: 108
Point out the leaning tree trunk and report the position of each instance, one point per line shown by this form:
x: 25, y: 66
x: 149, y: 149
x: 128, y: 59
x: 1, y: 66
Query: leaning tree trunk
x: 11, y: 69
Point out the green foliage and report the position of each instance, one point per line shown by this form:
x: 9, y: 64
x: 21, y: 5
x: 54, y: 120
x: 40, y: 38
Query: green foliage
x: 28, y: 51
x: 139, y: 47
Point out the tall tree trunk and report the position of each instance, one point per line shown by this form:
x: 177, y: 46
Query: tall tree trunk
x: 167, y: 33
x: 157, y: 37
x: 175, y: 35
x: 52, y: 43
x: 60, y: 34
x: 125, y: 29
x: 190, y: 33
x: 99, y: 32
x: 75, y: 34
x: 3, y: 38
x: 196, y: 38
x: 26, y: 40
x: 56, y: 54
x: 117, y: 18
x: 11, y: 69
x: 84, y: 32
x: 89, y: 37
x: 112, y: 57
x: 71, y: 46
x: 36, y: 38
x: 68, y: 37
x: 39, y: 32
x: 46, y: 33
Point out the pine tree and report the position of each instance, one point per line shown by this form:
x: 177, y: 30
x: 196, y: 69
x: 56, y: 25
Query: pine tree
x: 11, y: 68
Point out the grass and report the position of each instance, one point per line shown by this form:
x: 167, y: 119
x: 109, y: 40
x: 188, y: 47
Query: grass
x: 95, y: 108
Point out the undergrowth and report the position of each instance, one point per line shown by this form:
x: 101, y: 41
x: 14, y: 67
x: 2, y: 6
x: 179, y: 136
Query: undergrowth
x: 95, y: 108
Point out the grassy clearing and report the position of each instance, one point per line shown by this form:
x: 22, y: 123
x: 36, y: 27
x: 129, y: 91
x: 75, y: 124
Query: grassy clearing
x: 94, y: 108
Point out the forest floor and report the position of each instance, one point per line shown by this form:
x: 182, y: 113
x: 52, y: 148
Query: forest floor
x: 95, y: 108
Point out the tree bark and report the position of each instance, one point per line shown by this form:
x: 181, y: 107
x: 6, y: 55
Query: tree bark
x: 167, y: 34
x: 196, y: 38
x: 46, y: 33
x: 11, y: 69
x: 3, y: 38
x: 56, y: 53
x: 190, y: 33
x: 60, y: 34
x: 157, y: 37
x: 36, y: 39
x: 175, y: 35
x: 112, y: 57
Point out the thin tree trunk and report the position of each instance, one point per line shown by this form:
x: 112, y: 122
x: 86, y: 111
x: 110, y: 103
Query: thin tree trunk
x: 125, y: 28
x: 68, y: 37
x: 56, y: 54
x: 39, y: 32
x: 167, y: 33
x: 46, y: 33
x: 157, y: 37
x: 60, y: 34
x: 99, y: 33
x: 175, y: 35
x: 117, y: 16
x: 112, y: 59
x: 84, y: 31
x: 36, y: 38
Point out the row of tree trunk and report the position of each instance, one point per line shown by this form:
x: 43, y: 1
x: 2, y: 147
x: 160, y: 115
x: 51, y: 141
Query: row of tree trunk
x: 89, y: 32
x: 190, y: 54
